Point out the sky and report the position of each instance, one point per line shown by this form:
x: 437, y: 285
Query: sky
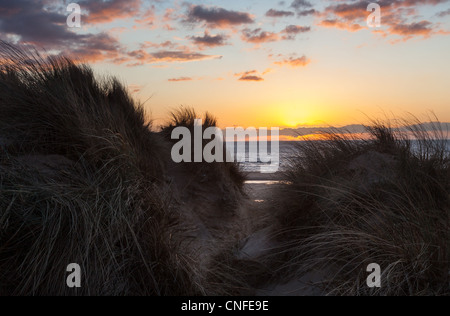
x: 256, y: 63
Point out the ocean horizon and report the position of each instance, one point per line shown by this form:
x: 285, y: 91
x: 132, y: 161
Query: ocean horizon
x: 288, y: 152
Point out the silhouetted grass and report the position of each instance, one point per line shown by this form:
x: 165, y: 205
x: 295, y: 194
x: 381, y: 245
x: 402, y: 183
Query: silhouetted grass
x: 355, y: 202
x: 84, y: 180
x: 185, y: 117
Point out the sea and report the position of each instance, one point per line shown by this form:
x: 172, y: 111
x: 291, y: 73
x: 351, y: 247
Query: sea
x: 289, y: 150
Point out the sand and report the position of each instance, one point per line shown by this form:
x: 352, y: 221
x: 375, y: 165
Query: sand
x: 261, y: 189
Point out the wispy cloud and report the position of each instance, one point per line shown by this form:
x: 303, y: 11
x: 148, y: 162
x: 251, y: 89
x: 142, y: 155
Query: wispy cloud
x: 334, y: 23
x: 100, y: 11
x: 180, y: 79
x: 168, y: 56
x: 294, y: 61
x: 40, y: 24
x: 303, y: 8
x: 272, y: 13
x: 443, y: 14
x: 258, y: 36
x: 301, y: 4
x: 398, y: 16
x: 423, y: 28
x: 135, y: 88
x: 299, y: 7
x: 148, y: 19
x: 209, y: 40
x: 291, y: 31
x: 250, y: 76
x: 216, y: 17
x: 201, y: 27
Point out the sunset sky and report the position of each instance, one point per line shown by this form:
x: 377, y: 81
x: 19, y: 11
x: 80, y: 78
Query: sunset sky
x: 256, y: 63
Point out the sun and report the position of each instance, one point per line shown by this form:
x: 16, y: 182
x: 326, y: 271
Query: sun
x: 294, y: 121
x: 294, y: 115
x: 291, y: 123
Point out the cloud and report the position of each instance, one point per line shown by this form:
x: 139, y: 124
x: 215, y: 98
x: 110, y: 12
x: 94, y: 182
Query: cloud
x: 291, y: 31
x: 95, y: 48
x: 349, y: 11
x: 40, y: 24
x: 135, y: 88
x: 218, y: 17
x: 168, y: 56
x: 272, y: 13
x: 108, y: 11
x: 210, y: 41
x: 251, y: 78
x: 334, y: 23
x: 306, y: 12
x: 397, y: 18
x: 43, y: 24
x: 181, y: 79
x: 148, y: 18
x: 294, y: 62
x: 258, y: 36
x: 301, y: 4
x: 423, y: 28
x: 251, y: 75
x: 303, y: 8
x: 180, y: 56
x: 346, y: 16
x: 28, y: 20
x: 167, y: 45
x: 169, y: 16
x: 443, y: 14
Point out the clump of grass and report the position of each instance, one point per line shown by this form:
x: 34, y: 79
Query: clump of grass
x: 354, y: 202
x: 84, y: 180
x: 185, y: 117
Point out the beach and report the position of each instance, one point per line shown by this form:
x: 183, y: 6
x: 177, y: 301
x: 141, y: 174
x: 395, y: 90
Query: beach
x: 261, y: 187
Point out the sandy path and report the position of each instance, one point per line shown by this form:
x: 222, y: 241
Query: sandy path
x: 262, y: 189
